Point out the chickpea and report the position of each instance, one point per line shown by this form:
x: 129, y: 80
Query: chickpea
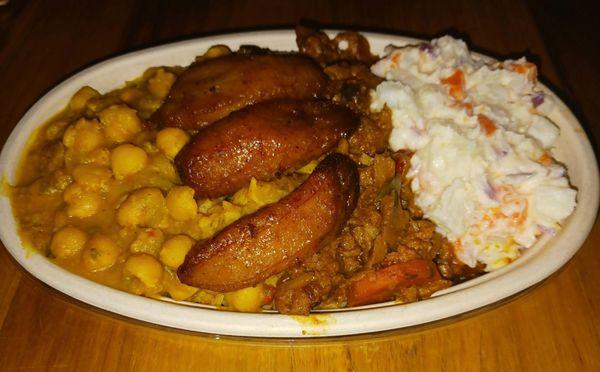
x: 67, y: 242
x: 121, y: 123
x: 181, y: 203
x: 81, y: 202
x: 171, y: 140
x: 93, y: 177
x: 148, y: 241
x: 174, y: 250
x: 100, y: 253
x: 247, y: 299
x: 83, y: 136
x: 160, y: 84
x: 81, y: 97
x: 145, y: 268
x: 127, y: 159
x: 143, y: 207
x: 217, y: 51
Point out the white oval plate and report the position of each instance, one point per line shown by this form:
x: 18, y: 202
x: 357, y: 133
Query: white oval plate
x: 536, y: 263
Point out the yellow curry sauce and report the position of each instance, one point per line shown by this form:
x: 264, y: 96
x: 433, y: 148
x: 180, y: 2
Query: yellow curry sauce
x: 97, y: 193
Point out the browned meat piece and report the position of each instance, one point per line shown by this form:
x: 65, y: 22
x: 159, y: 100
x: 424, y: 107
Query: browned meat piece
x: 300, y: 294
x: 345, y: 46
x: 261, y: 141
x: 277, y: 236
x: 213, y: 88
x: 310, y: 282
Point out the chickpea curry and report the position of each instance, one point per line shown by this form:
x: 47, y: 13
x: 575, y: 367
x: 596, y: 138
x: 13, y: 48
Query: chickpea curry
x: 236, y: 184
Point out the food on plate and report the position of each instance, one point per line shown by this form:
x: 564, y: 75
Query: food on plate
x: 479, y: 131
x: 213, y: 87
x: 374, y: 286
x: 257, y: 180
x: 275, y: 237
x: 261, y: 141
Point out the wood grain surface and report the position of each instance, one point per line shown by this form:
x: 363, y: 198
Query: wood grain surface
x: 554, y: 326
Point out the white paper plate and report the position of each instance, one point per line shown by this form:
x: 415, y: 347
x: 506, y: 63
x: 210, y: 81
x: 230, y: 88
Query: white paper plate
x: 536, y: 264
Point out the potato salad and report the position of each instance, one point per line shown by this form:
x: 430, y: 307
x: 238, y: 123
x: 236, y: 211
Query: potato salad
x: 481, y: 139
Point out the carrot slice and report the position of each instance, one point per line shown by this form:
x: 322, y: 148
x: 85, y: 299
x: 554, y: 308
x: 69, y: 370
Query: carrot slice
x: 379, y: 285
x: 545, y: 159
x: 486, y: 124
x: 525, y: 68
x: 456, y: 83
x: 469, y: 107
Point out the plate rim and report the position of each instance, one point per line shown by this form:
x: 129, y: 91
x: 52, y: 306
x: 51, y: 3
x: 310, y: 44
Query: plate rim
x: 373, y: 318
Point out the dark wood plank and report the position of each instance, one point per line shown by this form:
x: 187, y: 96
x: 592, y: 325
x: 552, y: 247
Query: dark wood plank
x: 570, y: 30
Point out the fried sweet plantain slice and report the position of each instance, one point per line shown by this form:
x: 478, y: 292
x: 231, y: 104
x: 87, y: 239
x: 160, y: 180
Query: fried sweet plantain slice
x: 276, y: 236
x: 261, y: 141
x: 213, y: 88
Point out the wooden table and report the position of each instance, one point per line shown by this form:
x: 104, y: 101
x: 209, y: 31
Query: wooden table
x: 555, y: 326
